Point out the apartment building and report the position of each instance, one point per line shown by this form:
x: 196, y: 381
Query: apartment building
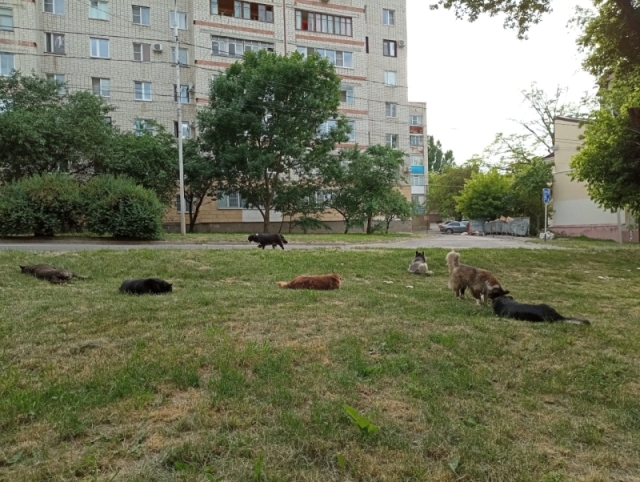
x: 123, y: 51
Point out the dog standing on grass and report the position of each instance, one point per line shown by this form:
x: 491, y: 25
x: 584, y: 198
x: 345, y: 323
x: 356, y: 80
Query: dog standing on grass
x: 419, y: 265
x: 264, y: 239
x: 484, y: 286
x: 319, y: 282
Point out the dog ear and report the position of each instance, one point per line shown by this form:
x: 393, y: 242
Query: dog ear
x: 505, y: 293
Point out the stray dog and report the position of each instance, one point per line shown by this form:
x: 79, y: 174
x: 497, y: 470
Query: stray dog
x: 419, y: 265
x: 507, y: 307
x: 265, y: 239
x: 483, y: 284
x: 148, y: 286
x: 50, y: 273
x: 320, y: 282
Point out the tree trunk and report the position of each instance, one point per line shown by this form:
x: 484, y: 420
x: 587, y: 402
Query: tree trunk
x: 369, y: 224
x: 346, y: 226
x: 267, y: 214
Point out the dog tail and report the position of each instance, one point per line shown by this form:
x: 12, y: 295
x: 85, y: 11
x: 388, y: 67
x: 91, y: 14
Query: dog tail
x: 577, y: 321
x: 282, y: 284
x: 453, y: 260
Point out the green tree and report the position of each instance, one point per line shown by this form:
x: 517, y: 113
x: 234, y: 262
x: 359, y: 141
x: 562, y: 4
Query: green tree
x: 44, y: 131
x: 521, y: 14
x: 528, y: 182
x: 486, y: 196
x: 395, y: 206
x: 437, y: 158
x: 263, y: 123
x: 361, y: 181
x: 446, y: 186
x: 298, y: 197
x: 609, y: 160
x: 149, y: 158
x: 610, y: 37
x: 200, y: 179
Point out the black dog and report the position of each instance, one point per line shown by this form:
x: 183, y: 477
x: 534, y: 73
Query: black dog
x: 264, y: 239
x: 148, y: 286
x: 507, y: 307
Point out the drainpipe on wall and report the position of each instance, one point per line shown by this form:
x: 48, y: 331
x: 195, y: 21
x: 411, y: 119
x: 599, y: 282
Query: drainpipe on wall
x: 284, y: 22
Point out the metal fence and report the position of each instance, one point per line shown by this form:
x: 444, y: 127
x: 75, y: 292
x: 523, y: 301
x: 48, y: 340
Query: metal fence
x: 513, y: 227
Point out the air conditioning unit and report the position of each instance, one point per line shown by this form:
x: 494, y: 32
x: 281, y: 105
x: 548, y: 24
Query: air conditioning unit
x: 400, y: 43
x: 157, y: 47
x: 191, y: 86
x: 192, y: 124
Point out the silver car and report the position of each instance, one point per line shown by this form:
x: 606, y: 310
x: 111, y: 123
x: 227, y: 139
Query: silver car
x: 451, y: 227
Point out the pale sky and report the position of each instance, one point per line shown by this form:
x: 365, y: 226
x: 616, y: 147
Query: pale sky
x: 471, y: 74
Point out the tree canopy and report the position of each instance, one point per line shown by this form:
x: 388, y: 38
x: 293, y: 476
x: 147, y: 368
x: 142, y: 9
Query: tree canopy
x: 486, y: 196
x: 437, y: 158
x: 446, y: 186
x: 271, y: 119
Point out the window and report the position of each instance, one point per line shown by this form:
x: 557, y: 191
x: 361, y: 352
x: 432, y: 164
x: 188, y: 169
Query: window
x: 54, y: 6
x: 184, y: 94
x: 54, y: 43
x: 320, y: 22
x: 417, y: 180
x: 183, y: 56
x: 186, y: 201
x: 415, y: 140
x: 352, y: 133
x: 336, y: 57
x: 232, y: 47
x: 240, y: 9
x: 390, y: 77
x: 346, y: 94
x: 7, y: 63
x: 327, y: 126
x: 142, y: 91
x: 142, y: 126
x: 181, y: 20
x: 230, y: 201
x: 418, y: 203
x: 416, y: 160
x: 6, y: 18
x: 100, y: 48
x: 186, y: 129
x: 142, y: 15
x: 415, y: 120
x: 99, y: 10
x: 142, y: 52
x: 108, y: 120
x: 388, y: 17
x: 101, y: 87
x: 389, y: 48
x: 391, y: 109
x: 58, y: 79
x: 392, y: 141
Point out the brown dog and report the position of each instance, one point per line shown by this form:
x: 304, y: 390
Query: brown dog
x: 318, y: 282
x: 484, y: 286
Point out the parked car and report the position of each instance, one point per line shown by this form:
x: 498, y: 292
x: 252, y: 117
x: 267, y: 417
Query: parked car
x: 451, y: 227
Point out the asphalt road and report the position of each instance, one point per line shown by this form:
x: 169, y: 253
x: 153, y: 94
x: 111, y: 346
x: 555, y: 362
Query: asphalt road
x: 432, y: 241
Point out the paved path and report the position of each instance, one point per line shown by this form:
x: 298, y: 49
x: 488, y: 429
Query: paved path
x: 433, y: 241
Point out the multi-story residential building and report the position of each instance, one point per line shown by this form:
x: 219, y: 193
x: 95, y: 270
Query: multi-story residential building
x: 123, y: 51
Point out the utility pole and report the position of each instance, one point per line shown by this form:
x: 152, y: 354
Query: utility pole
x: 183, y: 229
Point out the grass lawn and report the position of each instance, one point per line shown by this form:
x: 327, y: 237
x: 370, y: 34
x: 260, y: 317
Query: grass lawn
x: 231, y: 378
x: 328, y: 238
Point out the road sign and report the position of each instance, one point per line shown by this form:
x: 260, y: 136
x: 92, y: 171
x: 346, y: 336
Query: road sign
x: 546, y: 195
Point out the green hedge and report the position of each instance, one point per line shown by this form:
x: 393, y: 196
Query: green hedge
x: 117, y: 206
x: 40, y: 205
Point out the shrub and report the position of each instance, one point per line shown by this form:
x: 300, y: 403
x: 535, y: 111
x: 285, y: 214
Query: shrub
x: 117, y: 206
x: 42, y: 205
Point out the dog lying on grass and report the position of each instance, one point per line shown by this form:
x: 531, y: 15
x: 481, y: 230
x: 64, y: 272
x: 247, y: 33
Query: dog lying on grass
x: 319, y: 282
x: 50, y: 273
x: 419, y: 265
x: 148, y: 286
x: 507, y: 307
x: 264, y: 239
x: 483, y: 284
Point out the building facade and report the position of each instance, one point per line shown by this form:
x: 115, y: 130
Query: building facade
x: 123, y: 51
x: 574, y: 213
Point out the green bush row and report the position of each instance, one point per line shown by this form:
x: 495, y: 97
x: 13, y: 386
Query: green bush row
x: 55, y: 203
